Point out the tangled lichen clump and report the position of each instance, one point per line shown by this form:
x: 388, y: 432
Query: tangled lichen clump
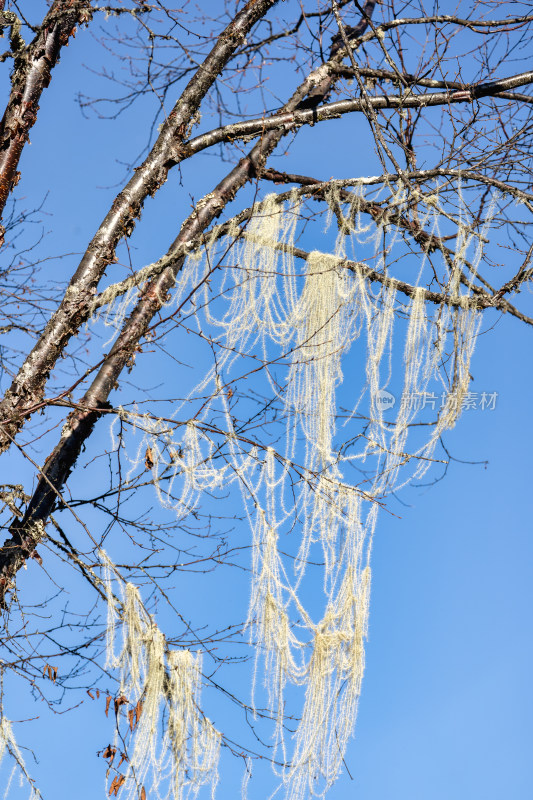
x: 8, y: 744
x: 161, y: 689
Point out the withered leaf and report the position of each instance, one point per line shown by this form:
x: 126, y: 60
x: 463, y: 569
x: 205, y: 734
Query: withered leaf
x: 134, y: 715
x: 119, y: 701
x: 109, y: 753
x: 107, y: 704
x: 149, y: 458
x: 51, y: 671
x: 116, y: 784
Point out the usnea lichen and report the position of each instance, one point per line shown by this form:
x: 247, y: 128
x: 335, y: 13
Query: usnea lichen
x: 309, y: 316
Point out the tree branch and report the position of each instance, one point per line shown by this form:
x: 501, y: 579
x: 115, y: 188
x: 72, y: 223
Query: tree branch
x: 292, y: 120
x: 32, y: 73
x: 28, y: 385
x: 80, y: 423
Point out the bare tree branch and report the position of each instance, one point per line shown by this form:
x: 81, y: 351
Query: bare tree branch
x: 31, y: 75
x: 26, y: 534
x: 28, y: 386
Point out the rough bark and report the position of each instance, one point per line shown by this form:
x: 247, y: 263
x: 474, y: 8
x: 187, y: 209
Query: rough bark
x: 31, y: 75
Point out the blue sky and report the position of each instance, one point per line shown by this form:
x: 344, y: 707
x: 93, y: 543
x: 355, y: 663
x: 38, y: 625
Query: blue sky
x: 447, y: 698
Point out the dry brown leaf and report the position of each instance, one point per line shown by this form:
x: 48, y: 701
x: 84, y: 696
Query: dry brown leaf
x: 51, y: 671
x: 116, y: 784
x: 149, y: 458
x: 119, y: 701
x: 109, y: 753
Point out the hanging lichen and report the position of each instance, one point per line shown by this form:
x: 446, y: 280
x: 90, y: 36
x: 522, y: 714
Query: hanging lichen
x: 8, y: 744
x: 306, y: 317
x: 160, y: 688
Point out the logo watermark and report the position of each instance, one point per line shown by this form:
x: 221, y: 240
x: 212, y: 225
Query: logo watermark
x: 417, y: 401
x: 385, y: 400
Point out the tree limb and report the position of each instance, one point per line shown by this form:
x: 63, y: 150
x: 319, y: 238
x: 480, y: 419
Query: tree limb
x: 27, y: 533
x: 27, y: 388
x: 31, y: 75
